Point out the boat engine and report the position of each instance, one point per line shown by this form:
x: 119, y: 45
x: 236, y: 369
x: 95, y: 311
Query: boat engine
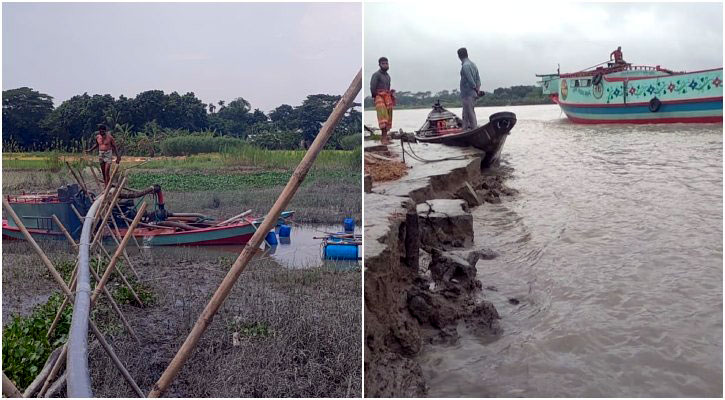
x: 441, y: 122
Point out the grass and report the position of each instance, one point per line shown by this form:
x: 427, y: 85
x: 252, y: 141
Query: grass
x: 219, y: 184
x: 196, y: 181
x: 243, y: 156
x: 280, y: 333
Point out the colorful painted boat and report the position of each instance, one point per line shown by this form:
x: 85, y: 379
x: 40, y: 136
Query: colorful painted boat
x: 36, y: 212
x: 629, y: 94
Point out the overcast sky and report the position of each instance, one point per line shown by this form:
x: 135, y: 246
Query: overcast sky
x: 269, y: 54
x: 512, y: 41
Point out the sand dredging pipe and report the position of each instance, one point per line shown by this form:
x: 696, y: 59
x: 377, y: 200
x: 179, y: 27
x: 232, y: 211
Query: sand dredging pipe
x: 78, y: 376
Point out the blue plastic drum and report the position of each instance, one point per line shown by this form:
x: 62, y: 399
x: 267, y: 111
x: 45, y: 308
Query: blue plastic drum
x: 271, y: 238
x: 349, y: 224
x: 284, y: 231
x: 341, y: 252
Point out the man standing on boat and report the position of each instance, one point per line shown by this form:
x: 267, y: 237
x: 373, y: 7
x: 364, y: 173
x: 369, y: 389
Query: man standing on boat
x: 470, y: 89
x: 617, y: 54
x: 106, y: 145
x: 383, y: 97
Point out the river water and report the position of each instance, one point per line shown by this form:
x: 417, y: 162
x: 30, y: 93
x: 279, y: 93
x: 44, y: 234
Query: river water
x: 613, y: 248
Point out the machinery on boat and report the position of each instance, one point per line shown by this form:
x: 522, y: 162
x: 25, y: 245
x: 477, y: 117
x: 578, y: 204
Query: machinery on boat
x: 158, y: 227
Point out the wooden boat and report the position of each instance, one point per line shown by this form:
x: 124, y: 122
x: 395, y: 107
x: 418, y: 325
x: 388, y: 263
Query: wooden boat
x: 443, y: 126
x: 637, y: 94
x: 36, y: 210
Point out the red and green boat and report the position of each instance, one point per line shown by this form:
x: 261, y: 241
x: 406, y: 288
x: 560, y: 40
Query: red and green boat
x: 158, y: 227
x: 622, y: 93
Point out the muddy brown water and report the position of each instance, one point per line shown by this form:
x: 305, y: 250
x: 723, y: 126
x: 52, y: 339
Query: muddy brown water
x: 613, y: 250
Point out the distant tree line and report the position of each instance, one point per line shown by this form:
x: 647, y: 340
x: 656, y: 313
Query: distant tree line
x: 30, y: 122
x: 514, y: 95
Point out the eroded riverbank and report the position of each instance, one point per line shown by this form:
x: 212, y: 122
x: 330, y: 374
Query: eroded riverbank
x: 613, y: 249
x: 420, y: 264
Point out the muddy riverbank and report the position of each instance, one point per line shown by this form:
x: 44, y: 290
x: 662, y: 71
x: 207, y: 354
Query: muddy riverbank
x: 420, y: 264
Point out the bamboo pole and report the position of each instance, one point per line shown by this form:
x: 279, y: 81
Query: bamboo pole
x: 99, y: 182
x: 234, y: 218
x: 68, y: 237
x: 117, y: 254
x: 54, y: 273
x: 121, y: 274
x: 116, y: 236
x: 106, y: 198
x: 105, y: 290
x: 80, y: 182
x: 123, y: 215
x: 107, y: 212
x: 250, y: 248
x: 116, y: 308
x: 54, y: 371
x: 64, y: 304
x: 9, y: 389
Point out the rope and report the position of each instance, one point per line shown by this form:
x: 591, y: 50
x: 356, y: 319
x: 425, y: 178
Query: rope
x: 595, y: 65
x: 416, y: 157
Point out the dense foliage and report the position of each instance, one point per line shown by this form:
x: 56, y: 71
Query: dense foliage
x: 142, y: 123
x: 25, y: 345
x: 514, y: 95
x: 23, y: 111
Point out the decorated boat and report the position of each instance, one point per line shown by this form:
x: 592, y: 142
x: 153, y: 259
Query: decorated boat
x: 443, y: 126
x: 622, y: 93
x: 157, y: 227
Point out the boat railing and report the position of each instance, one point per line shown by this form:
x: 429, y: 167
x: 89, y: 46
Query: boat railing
x: 32, y: 199
x: 618, y: 68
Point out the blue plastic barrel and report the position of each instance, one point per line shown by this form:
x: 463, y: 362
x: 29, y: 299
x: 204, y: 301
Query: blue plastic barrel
x: 284, y: 231
x: 341, y: 252
x: 349, y: 224
x: 271, y: 238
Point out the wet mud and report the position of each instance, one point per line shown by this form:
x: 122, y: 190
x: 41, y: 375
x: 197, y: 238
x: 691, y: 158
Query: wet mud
x: 420, y: 265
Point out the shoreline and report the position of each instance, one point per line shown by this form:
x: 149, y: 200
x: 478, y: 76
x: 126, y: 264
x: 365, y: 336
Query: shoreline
x: 420, y: 265
x: 459, y: 105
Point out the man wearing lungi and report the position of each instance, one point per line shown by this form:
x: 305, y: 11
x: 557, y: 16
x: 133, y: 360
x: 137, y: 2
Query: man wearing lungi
x: 384, y: 98
x: 106, y: 145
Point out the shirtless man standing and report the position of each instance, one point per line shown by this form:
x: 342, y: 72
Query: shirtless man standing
x: 105, y: 144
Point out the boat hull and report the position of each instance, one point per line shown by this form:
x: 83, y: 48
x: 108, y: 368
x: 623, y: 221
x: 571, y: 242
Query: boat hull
x: 696, y: 111
x: 641, y: 96
x: 490, y: 137
x: 226, y: 235
x: 13, y: 233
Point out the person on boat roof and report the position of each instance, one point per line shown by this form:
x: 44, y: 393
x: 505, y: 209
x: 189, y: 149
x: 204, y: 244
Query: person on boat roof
x: 383, y: 97
x: 617, y: 54
x: 106, y: 145
x: 470, y: 89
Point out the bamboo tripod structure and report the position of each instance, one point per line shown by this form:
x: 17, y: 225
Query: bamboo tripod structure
x: 74, y: 373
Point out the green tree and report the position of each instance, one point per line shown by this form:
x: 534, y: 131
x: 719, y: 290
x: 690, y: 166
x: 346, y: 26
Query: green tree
x: 23, y: 111
x: 313, y: 113
x: 234, y: 119
x: 78, y: 117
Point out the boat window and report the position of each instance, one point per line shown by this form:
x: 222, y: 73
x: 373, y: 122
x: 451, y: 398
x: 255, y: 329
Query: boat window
x: 576, y: 82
